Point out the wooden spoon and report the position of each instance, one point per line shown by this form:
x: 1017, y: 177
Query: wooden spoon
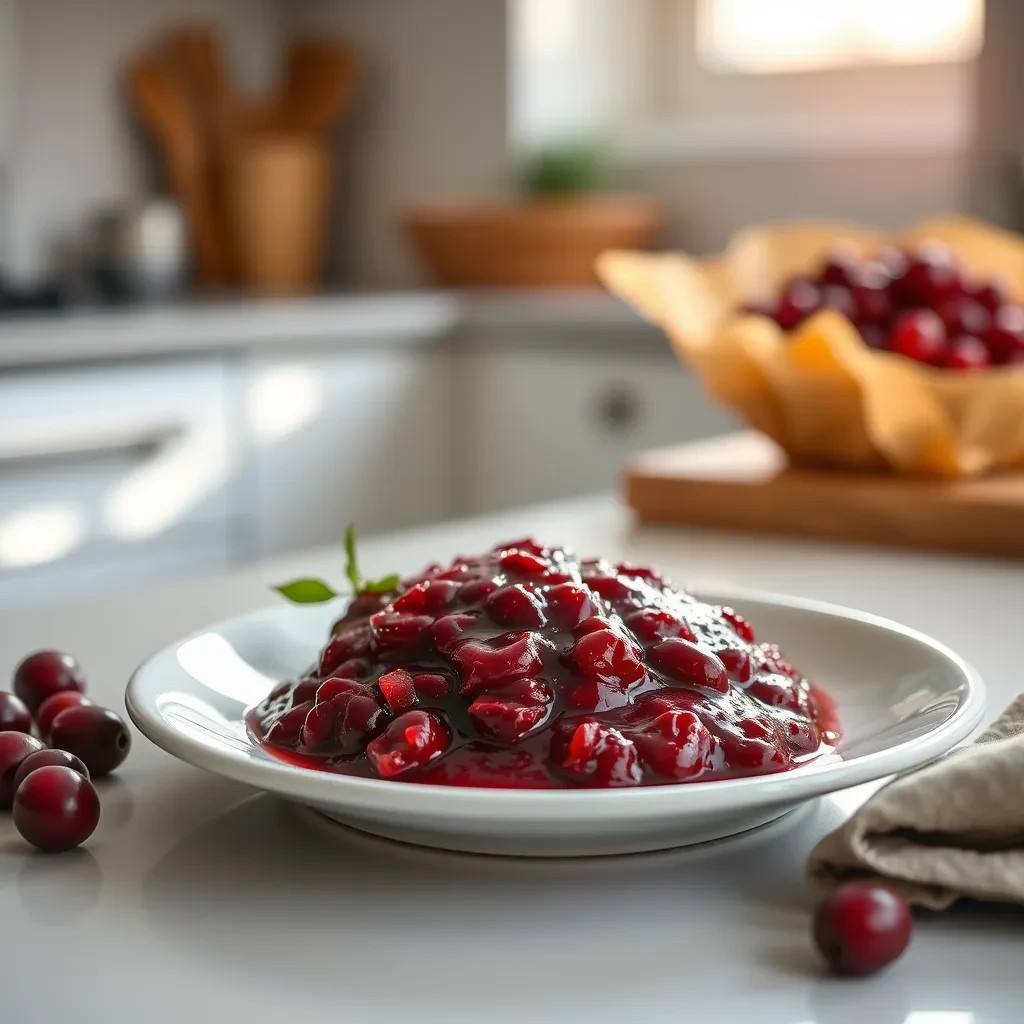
x: 162, y: 105
x: 321, y: 82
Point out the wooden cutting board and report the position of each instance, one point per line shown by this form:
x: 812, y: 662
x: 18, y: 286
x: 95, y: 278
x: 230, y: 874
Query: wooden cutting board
x: 743, y: 482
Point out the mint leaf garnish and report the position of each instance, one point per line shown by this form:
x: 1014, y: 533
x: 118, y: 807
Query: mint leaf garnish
x: 312, y: 591
x: 306, y: 591
x: 381, y: 586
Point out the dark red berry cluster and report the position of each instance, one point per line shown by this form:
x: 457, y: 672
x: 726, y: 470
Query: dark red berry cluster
x: 48, y: 786
x: 528, y: 667
x: 916, y: 302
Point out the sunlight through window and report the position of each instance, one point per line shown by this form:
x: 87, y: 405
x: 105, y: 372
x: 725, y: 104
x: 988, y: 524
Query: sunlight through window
x: 40, y: 533
x: 804, y: 35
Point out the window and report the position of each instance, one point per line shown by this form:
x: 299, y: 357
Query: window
x: 755, y: 36
x: 678, y: 80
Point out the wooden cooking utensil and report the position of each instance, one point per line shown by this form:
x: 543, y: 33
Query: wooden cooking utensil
x: 321, y: 81
x: 162, y: 105
x: 195, y: 56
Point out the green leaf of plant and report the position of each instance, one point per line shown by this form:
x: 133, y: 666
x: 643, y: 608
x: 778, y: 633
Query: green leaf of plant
x: 351, y: 565
x: 306, y: 591
x: 381, y: 586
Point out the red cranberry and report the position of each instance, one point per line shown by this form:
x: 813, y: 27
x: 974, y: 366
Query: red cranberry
x: 609, y: 587
x: 919, y: 334
x: 799, y: 299
x: 738, y: 664
x: 989, y: 294
x: 97, y: 735
x: 591, y: 625
x: 755, y: 747
x: 354, y: 642
x: 14, y: 748
x: 14, y: 715
x: 652, y: 624
x: 410, y: 741
x: 689, y: 663
x: 872, y: 301
x: 45, y: 673
x: 48, y: 758
x: 286, y: 730
x: 570, y: 603
x: 676, y: 744
x: 967, y: 353
x: 430, y: 685
x: 523, y: 562
x: 392, y: 630
x: 524, y: 544
x: 56, y: 808
x: 839, y: 298
x: 609, y: 657
x: 516, y: 607
x: 861, y: 927
x: 962, y: 315
x: 354, y: 668
x: 475, y: 591
x: 447, y: 631
x: 603, y: 756
x: 931, y: 276
x: 1005, y: 338
x: 53, y: 706
x: 398, y: 689
x: 484, y: 664
x: 840, y: 267
x: 743, y: 628
x: 345, y: 711
x: 639, y: 572
x: 364, y: 605
x: 505, y: 719
x: 430, y: 596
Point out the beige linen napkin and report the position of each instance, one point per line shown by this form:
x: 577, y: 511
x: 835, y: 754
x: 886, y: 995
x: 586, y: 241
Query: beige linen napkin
x: 954, y: 829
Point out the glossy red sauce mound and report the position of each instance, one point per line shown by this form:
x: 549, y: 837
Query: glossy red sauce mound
x: 529, y: 668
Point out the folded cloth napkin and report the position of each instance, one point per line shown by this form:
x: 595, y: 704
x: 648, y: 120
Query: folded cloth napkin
x: 952, y: 830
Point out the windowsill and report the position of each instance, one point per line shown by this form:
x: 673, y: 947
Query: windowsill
x: 710, y: 140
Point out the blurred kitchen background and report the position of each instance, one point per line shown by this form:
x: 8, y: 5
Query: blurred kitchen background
x: 267, y: 266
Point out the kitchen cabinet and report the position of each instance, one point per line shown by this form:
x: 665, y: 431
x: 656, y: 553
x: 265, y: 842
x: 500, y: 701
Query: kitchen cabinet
x: 363, y: 436
x: 114, y: 473
x: 546, y: 423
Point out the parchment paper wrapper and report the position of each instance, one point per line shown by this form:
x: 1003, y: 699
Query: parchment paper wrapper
x: 819, y: 391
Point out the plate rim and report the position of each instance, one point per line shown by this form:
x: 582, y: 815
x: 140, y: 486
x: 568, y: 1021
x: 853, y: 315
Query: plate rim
x: 805, y: 782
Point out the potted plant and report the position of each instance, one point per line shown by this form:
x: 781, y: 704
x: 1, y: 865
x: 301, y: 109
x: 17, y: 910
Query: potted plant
x: 548, y: 236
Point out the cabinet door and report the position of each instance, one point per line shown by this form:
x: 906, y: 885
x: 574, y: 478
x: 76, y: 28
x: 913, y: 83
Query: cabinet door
x: 551, y: 424
x: 361, y: 436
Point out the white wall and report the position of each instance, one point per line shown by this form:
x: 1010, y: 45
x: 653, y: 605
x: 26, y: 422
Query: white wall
x: 431, y: 120
x: 74, y: 146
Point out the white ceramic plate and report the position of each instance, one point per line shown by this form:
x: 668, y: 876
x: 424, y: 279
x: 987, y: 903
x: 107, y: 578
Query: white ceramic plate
x: 903, y: 698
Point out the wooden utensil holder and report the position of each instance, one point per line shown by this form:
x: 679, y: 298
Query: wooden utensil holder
x: 279, y: 192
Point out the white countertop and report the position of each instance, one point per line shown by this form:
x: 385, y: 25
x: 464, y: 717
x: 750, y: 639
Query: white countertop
x: 400, y: 318
x: 197, y: 899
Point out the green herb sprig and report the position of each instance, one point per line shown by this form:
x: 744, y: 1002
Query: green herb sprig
x: 310, y: 590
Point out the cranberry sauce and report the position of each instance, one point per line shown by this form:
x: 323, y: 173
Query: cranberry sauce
x: 528, y: 668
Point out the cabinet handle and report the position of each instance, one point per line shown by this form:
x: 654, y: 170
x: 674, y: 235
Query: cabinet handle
x: 69, y: 444
x: 619, y: 408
